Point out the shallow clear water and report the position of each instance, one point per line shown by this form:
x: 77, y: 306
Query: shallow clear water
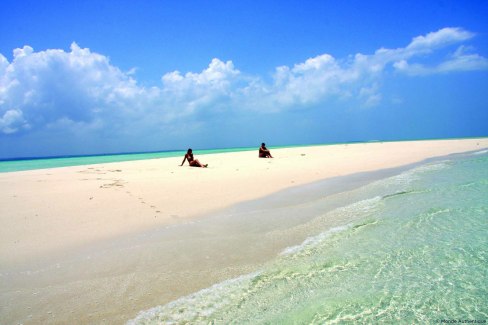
x: 410, y: 248
x: 12, y: 165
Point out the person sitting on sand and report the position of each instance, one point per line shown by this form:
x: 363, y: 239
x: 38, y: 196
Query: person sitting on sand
x: 264, y: 152
x: 191, y: 161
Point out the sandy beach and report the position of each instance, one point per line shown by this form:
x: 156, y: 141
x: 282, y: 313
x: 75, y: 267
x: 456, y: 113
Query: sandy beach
x: 47, y: 215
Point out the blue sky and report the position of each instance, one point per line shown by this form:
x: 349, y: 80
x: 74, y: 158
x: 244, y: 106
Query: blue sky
x: 84, y: 77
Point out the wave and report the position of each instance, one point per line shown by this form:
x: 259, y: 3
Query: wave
x: 481, y: 152
x: 198, y: 306
x: 314, y: 241
x: 356, y: 211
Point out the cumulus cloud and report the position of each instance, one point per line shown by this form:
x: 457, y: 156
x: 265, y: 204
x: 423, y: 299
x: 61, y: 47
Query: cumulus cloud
x: 53, y: 85
x: 323, y: 76
x: 12, y: 121
x: 310, y: 81
x: 193, y: 91
x: 460, y: 60
x: 435, y: 40
x: 81, y: 90
x: 370, y: 96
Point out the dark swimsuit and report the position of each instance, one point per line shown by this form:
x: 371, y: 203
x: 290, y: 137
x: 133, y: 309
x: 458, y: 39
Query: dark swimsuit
x: 190, y: 159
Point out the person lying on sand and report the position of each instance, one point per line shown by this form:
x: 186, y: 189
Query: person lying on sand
x: 264, y: 152
x: 191, y: 161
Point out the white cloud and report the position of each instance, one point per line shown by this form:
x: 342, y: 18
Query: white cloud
x: 54, y: 84
x: 460, y: 60
x: 82, y: 90
x: 370, y: 96
x: 441, y: 38
x: 469, y: 62
x: 217, y: 76
x: 12, y: 121
x: 308, y: 82
x: 193, y: 91
x: 324, y: 76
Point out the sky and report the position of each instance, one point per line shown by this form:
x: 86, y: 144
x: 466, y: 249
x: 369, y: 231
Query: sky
x: 89, y: 77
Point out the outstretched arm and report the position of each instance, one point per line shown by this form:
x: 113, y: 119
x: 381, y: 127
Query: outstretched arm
x: 183, y: 161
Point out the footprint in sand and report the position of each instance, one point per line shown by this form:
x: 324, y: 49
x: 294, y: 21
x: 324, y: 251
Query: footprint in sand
x: 116, y: 183
x: 92, y: 171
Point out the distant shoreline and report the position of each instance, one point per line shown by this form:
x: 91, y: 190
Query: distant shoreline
x: 34, y: 163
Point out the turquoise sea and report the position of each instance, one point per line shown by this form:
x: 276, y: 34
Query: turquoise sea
x: 410, y: 249
x: 20, y: 164
x: 12, y: 165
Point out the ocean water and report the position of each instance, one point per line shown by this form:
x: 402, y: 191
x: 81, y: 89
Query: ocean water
x: 411, y: 248
x: 20, y: 164
x: 12, y: 165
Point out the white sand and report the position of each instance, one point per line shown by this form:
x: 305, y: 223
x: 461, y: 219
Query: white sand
x: 46, y: 210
